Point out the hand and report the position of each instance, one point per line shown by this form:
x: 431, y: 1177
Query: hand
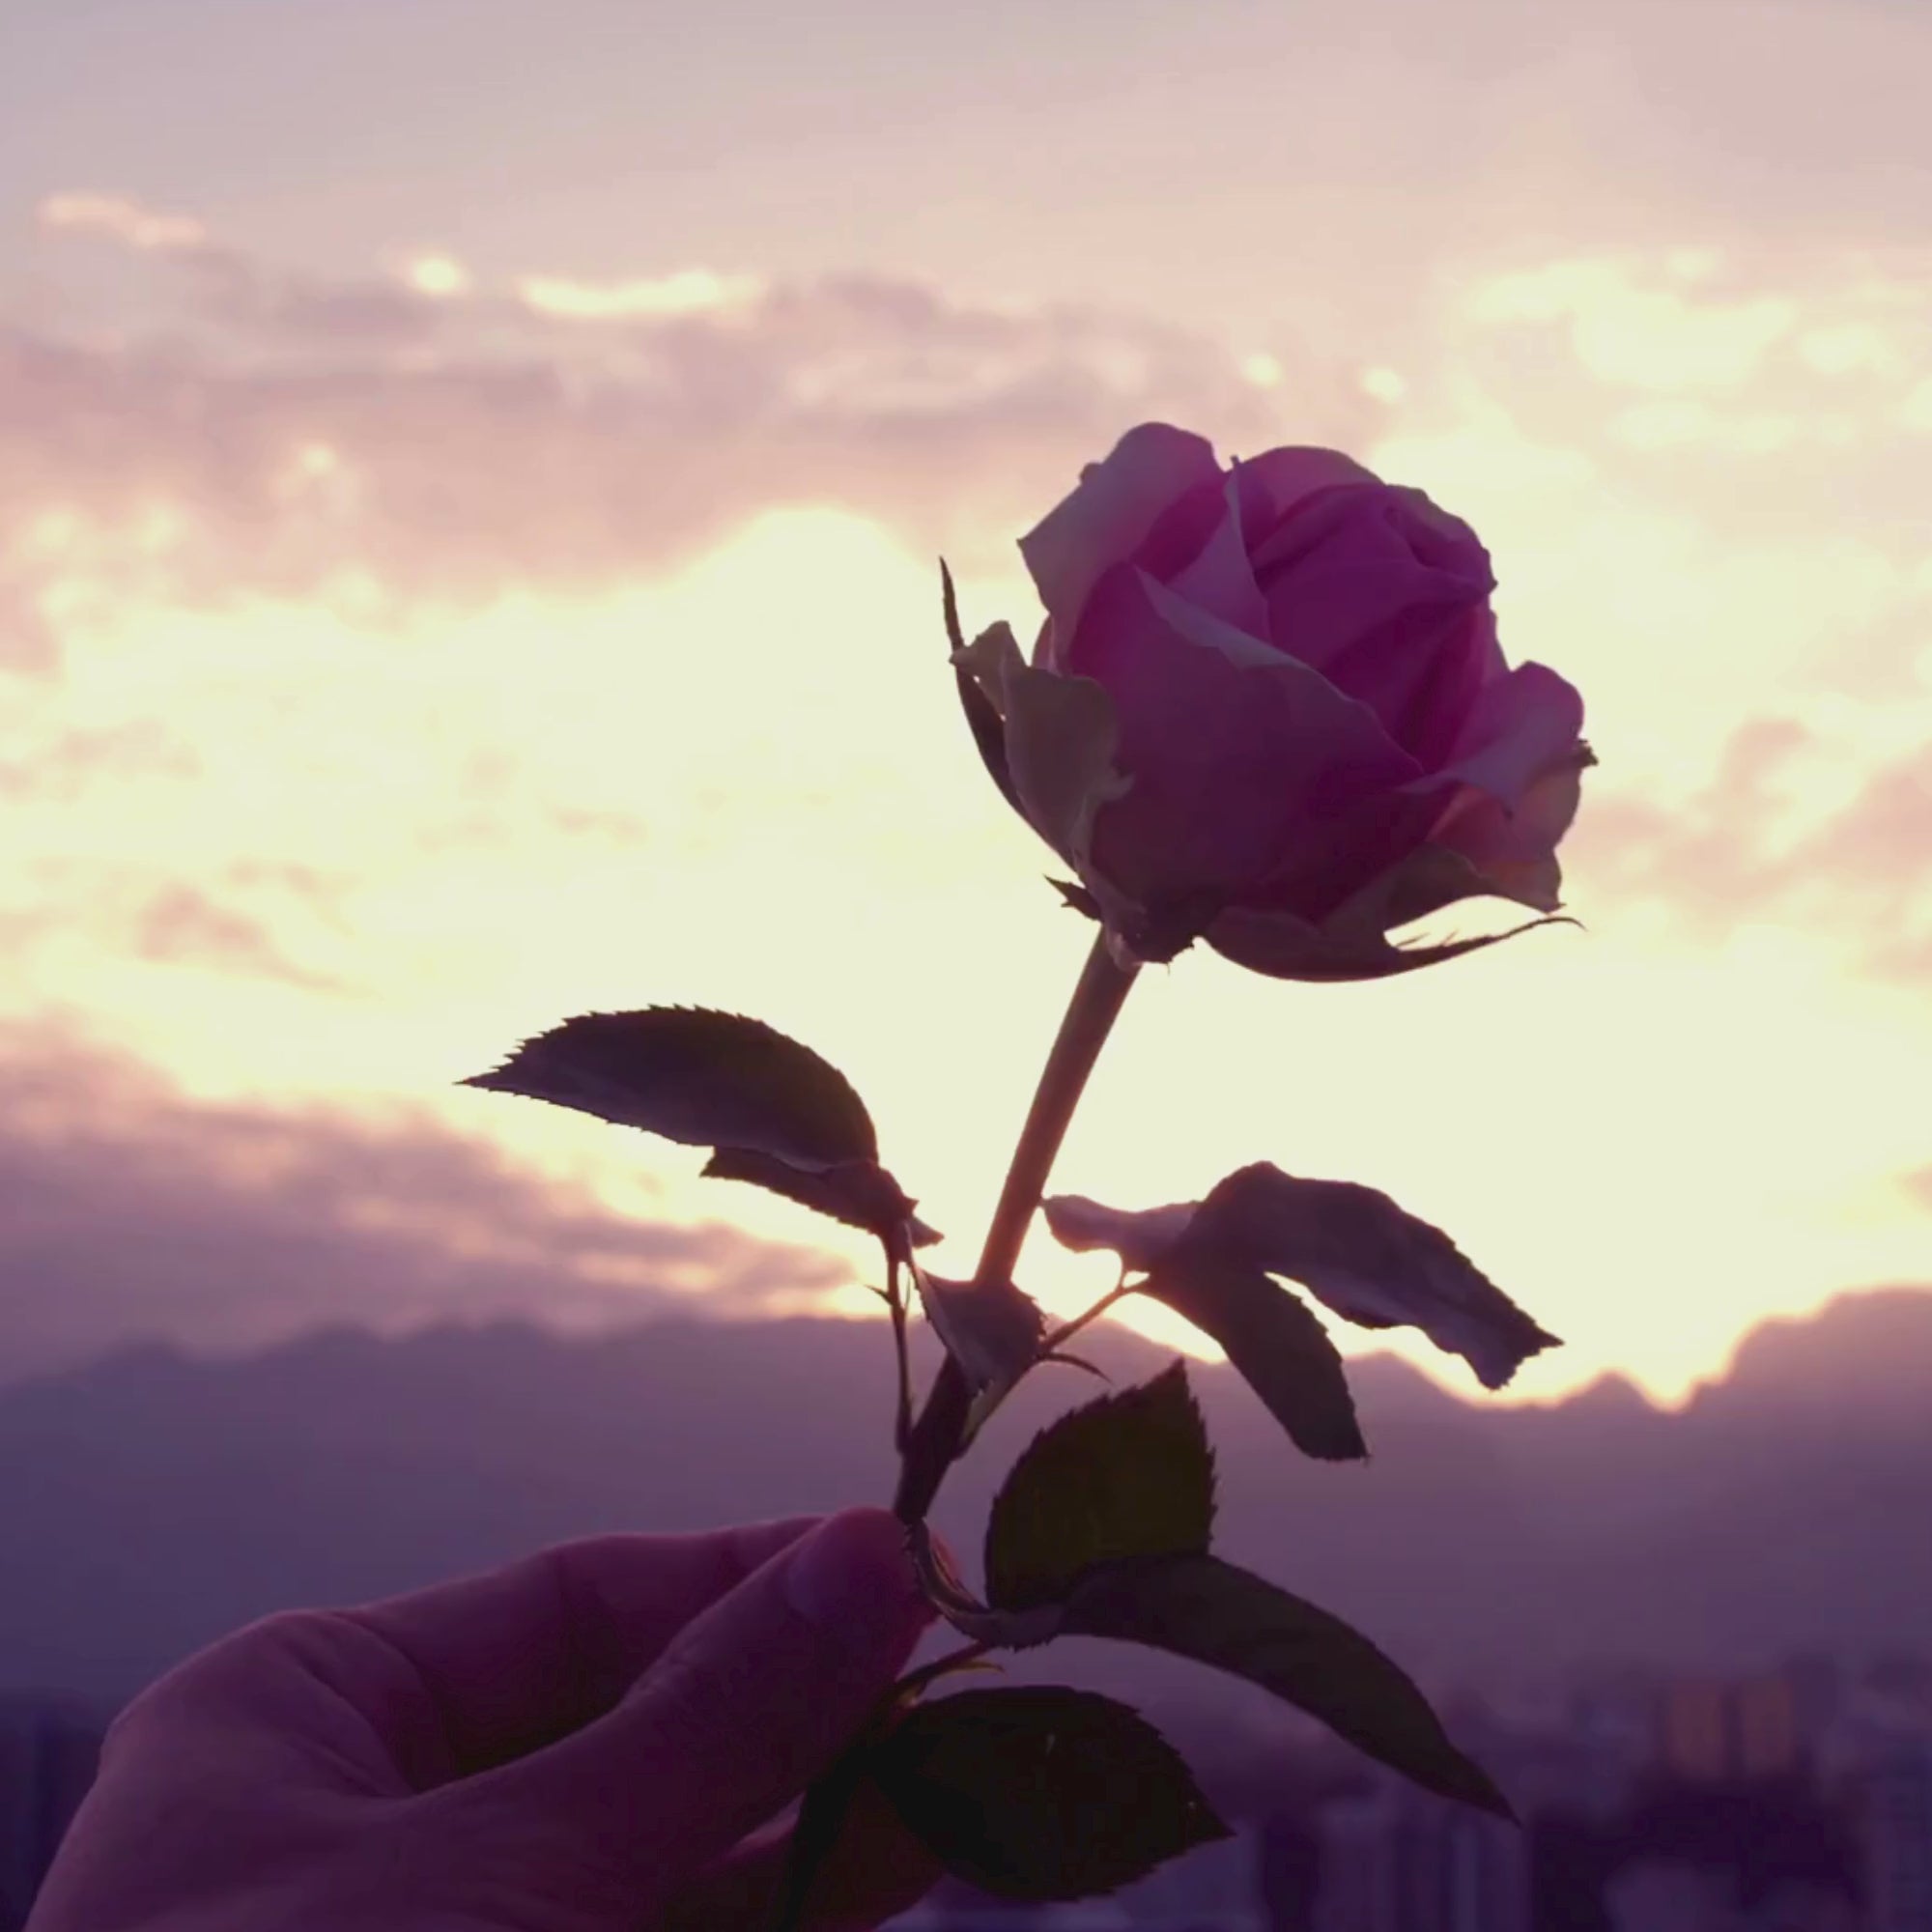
x: 579, y: 1742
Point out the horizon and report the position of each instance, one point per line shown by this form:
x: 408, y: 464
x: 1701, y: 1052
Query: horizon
x: 177, y: 1499
x: 469, y: 549
x: 1852, y: 1306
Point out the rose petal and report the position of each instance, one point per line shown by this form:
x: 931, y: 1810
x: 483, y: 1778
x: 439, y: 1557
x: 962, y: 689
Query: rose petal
x: 1425, y: 881
x: 1110, y: 512
x: 1265, y: 487
x: 1286, y: 948
x: 1443, y: 540
x: 1220, y: 580
x: 1515, y: 853
x: 1235, y: 750
x: 1273, y: 483
x: 1202, y: 626
x: 1422, y: 673
x: 1348, y: 593
x: 1360, y: 839
x: 1523, y: 725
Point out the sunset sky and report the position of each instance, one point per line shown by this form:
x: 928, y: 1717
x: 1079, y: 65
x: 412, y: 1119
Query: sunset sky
x: 471, y: 481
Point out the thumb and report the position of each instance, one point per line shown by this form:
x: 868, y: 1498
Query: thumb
x: 748, y: 1703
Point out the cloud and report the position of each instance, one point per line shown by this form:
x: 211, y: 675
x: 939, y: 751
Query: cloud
x: 1696, y: 466
x: 277, y: 433
x: 244, y: 919
x: 118, y: 218
x: 685, y: 292
x: 181, y: 925
x: 128, y: 1209
x: 72, y: 758
x: 1639, y: 336
x: 1748, y: 848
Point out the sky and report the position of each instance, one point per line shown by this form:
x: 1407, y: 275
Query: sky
x: 471, y: 482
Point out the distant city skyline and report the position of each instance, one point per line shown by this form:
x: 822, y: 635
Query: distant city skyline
x: 1832, y: 1832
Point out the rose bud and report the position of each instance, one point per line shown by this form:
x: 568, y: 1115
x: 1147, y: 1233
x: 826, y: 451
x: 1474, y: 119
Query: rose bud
x: 1267, y: 707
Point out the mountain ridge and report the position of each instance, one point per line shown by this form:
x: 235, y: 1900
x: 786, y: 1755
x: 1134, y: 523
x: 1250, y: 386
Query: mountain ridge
x: 160, y: 1499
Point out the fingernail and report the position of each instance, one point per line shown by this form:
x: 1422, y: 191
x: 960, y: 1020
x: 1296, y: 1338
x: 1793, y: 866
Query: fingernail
x: 852, y: 1575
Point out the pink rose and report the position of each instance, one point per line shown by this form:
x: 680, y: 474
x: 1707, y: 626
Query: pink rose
x: 1267, y: 707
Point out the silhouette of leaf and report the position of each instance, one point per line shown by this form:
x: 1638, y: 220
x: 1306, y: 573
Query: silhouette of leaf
x: 1354, y: 1250
x: 982, y: 719
x: 861, y: 1193
x: 705, y: 1078
x: 1059, y: 735
x: 991, y: 1329
x: 1140, y: 1237
x: 1127, y: 1475
x: 1202, y: 1607
x: 1271, y: 1339
x: 1276, y: 1344
x: 1370, y: 1262
x: 1042, y: 1792
x: 1078, y: 897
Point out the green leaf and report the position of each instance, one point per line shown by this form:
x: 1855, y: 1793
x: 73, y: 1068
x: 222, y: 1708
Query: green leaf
x: 1042, y: 1792
x: 991, y: 1329
x: 1128, y: 1475
x: 1272, y: 1340
x: 1275, y: 1343
x: 982, y: 719
x: 1078, y: 897
x: 1059, y: 736
x: 1202, y: 1607
x: 1355, y: 1251
x: 1371, y: 1264
x: 861, y: 1193
x: 705, y: 1078
x: 1140, y: 1237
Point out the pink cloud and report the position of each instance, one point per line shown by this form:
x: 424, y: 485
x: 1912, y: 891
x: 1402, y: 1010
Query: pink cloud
x: 181, y: 925
x: 1861, y: 875
x: 127, y: 1211
x: 64, y: 765
x: 456, y: 446
x: 119, y: 218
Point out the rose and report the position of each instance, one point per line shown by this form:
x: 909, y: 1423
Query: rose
x: 1267, y: 707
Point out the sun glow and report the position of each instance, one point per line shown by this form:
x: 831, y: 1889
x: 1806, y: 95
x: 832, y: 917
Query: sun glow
x: 746, y: 784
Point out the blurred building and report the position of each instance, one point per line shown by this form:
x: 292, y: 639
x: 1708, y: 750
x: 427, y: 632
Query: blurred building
x: 947, y: 1910
x: 49, y: 1750
x: 1665, y: 1896
x: 1714, y: 1731
x: 1890, y: 1794
x: 1216, y: 1889
x: 1396, y: 1859
x: 1291, y: 1865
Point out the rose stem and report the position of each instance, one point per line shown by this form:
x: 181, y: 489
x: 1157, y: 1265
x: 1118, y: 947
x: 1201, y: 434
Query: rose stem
x: 1090, y: 1017
x: 896, y: 1301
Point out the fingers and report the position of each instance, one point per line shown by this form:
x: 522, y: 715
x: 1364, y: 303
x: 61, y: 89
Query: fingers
x: 518, y: 1658
x: 876, y: 1871
x: 747, y: 1704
